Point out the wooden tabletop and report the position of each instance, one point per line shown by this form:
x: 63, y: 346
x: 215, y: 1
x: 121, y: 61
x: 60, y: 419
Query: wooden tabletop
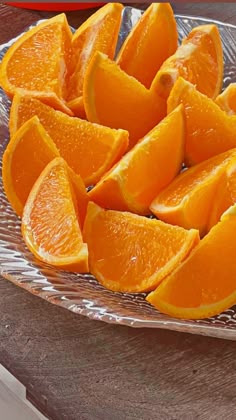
x: 78, y: 369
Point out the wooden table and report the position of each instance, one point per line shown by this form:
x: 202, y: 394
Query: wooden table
x: 78, y: 369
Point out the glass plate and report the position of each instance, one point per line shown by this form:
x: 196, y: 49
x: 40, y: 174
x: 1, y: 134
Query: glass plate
x: 82, y: 294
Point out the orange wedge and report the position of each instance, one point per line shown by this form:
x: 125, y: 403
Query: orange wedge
x: 117, y: 100
x: 98, y: 33
x: 131, y: 253
x: 199, y: 59
x: 77, y: 107
x: 227, y: 100
x: 204, y: 284
x: 50, y: 226
x: 26, y: 155
x: 145, y: 170
x: 89, y: 149
x: 209, y: 131
x: 152, y: 40
x: 189, y: 199
x: 225, y: 195
x: 37, y: 63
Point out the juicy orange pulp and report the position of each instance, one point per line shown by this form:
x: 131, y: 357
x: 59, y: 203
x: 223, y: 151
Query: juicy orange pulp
x: 117, y: 100
x: 204, y: 284
x: 89, y: 149
x: 50, y: 224
x: 38, y: 63
x: 199, y: 60
x: 146, y: 169
x: 189, y: 200
x: 133, y: 253
x: 151, y: 41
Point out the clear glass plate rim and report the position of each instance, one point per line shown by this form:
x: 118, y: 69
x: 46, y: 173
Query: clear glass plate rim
x: 113, y: 318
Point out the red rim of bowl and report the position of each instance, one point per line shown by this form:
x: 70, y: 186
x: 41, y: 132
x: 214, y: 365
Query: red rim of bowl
x: 56, y: 7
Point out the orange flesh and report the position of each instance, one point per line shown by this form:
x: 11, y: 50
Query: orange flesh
x: 227, y: 100
x: 89, y: 149
x: 194, y: 177
x: 45, y: 74
x: 225, y: 195
x: 26, y: 155
x: 52, y: 238
x: 133, y: 107
x: 166, y: 146
x: 208, y: 61
x: 77, y: 107
x: 205, y: 284
x: 142, y: 54
x: 189, y: 200
x: 39, y: 63
x: 209, y: 131
x: 221, y: 202
x: 150, y: 166
x: 80, y: 197
x: 132, y: 253
x: 107, y: 193
x: 49, y: 226
x: 101, y: 35
x: 199, y: 60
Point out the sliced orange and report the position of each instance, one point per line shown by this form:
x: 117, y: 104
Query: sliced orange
x: 227, y: 100
x: 209, y: 131
x: 81, y: 196
x: 152, y: 40
x: 50, y: 227
x: 77, y: 107
x: 189, y: 199
x: 199, y: 59
x: 145, y: 170
x: 225, y: 195
x: 89, y: 149
x: 117, y: 100
x: 131, y: 253
x: 204, y: 284
x: 26, y: 155
x: 98, y: 33
x: 37, y: 63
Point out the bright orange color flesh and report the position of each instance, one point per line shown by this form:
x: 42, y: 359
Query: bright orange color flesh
x: 189, y: 199
x: 205, y: 284
x: 77, y: 107
x: 50, y: 226
x: 37, y: 63
x: 98, y: 33
x: 49, y: 73
x: 89, y: 149
x: 225, y: 195
x: 132, y: 253
x: 209, y: 131
x: 199, y: 60
x: 227, y: 100
x: 117, y: 100
x: 26, y: 155
x: 152, y: 40
x: 145, y: 170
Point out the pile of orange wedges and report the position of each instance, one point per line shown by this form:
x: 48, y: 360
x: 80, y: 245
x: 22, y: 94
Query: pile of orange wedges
x: 100, y: 141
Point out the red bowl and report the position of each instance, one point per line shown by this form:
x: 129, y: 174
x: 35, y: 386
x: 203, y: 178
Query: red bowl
x: 56, y: 7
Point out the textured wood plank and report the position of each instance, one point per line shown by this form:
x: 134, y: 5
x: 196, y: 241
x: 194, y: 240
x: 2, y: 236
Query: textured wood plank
x: 78, y: 369
x: 81, y: 369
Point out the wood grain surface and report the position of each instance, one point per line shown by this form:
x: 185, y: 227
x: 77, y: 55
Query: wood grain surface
x: 77, y: 369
